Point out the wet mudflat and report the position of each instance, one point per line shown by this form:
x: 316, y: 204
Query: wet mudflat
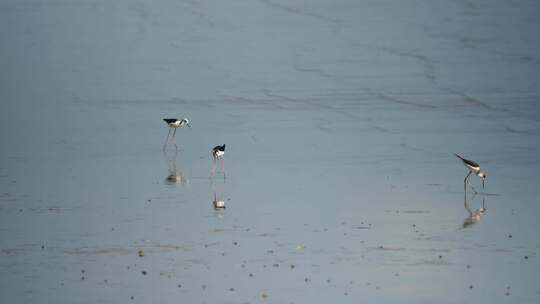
x: 340, y: 122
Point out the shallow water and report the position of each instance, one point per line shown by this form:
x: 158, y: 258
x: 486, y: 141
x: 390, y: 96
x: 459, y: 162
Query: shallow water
x: 340, y: 121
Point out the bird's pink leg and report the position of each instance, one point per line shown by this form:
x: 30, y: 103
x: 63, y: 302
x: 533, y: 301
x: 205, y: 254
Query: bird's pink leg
x: 213, y: 171
x: 167, y: 140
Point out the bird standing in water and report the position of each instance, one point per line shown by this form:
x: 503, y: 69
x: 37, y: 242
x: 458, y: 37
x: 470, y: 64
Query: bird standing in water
x: 217, y: 153
x: 473, y: 167
x: 174, y: 123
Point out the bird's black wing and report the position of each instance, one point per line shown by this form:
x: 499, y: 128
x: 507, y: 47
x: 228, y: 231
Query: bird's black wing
x: 468, y: 161
x: 169, y: 120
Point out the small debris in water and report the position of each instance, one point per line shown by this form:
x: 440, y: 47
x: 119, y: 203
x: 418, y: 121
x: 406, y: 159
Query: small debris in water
x: 141, y: 253
x: 62, y: 284
x: 105, y: 281
x: 292, y: 266
x: 307, y: 280
x: 251, y: 275
x: 396, y: 274
x: 179, y: 285
x: 235, y: 243
x: 509, y: 236
x: 132, y: 297
x: 440, y: 256
x: 381, y: 247
x: 143, y: 272
x: 328, y: 281
x: 264, y: 296
x: 82, y: 278
x: 468, y: 266
x: 112, y: 228
x: 223, y: 254
x: 526, y: 257
x: 507, y: 293
x: 471, y: 287
x: 275, y: 265
x: 203, y: 287
x: 149, y: 200
x: 270, y: 251
x: 231, y: 289
x: 42, y: 246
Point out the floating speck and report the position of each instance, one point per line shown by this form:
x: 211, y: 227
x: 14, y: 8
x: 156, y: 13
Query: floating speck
x: 179, y: 285
x: 292, y: 266
x: 251, y: 275
x: 132, y: 297
x: 264, y: 296
x: 507, y: 293
x: 143, y: 272
x: 141, y: 253
x: 526, y: 257
x: 509, y: 236
x: 42, y: 246
x: 275, y: 265
x: 468, y: 266
x: 440, y: 256
x: 82, y: 278
x: 471, y: 287
x: 235, y: 243
x: 231, y: 289
x: 328, y: 281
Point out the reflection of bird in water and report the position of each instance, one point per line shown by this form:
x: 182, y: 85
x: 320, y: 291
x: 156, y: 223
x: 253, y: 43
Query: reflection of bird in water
x: 217, y: 154
x: 174, y: 123
x: 473, y: 167
x: 476, y: 215
x: 219, y: 202
x: 175, y: 176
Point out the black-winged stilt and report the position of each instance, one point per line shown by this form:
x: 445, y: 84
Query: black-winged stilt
x: 217, y: 153
x: 174, y: 123
x: 473, y: 167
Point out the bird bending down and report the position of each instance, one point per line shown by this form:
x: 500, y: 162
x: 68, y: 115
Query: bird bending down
x: 174, y: 123
x: 473, y: 167
x: 217, y: 153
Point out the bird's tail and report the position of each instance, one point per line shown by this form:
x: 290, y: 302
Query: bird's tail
x: 458, y: 156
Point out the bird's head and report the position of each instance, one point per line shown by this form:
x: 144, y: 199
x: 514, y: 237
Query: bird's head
x: 483, y: 176
x: 186, y: 121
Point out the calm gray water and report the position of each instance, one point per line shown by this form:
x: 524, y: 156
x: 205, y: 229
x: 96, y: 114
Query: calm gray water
x: 340, y: 119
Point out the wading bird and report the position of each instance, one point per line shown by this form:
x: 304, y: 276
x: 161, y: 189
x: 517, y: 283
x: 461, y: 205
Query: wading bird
x: 174, y: 123
x: 217, y: 153
x: 473, y: 167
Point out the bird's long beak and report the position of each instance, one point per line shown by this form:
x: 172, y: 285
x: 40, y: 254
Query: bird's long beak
x: 483, y: 183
